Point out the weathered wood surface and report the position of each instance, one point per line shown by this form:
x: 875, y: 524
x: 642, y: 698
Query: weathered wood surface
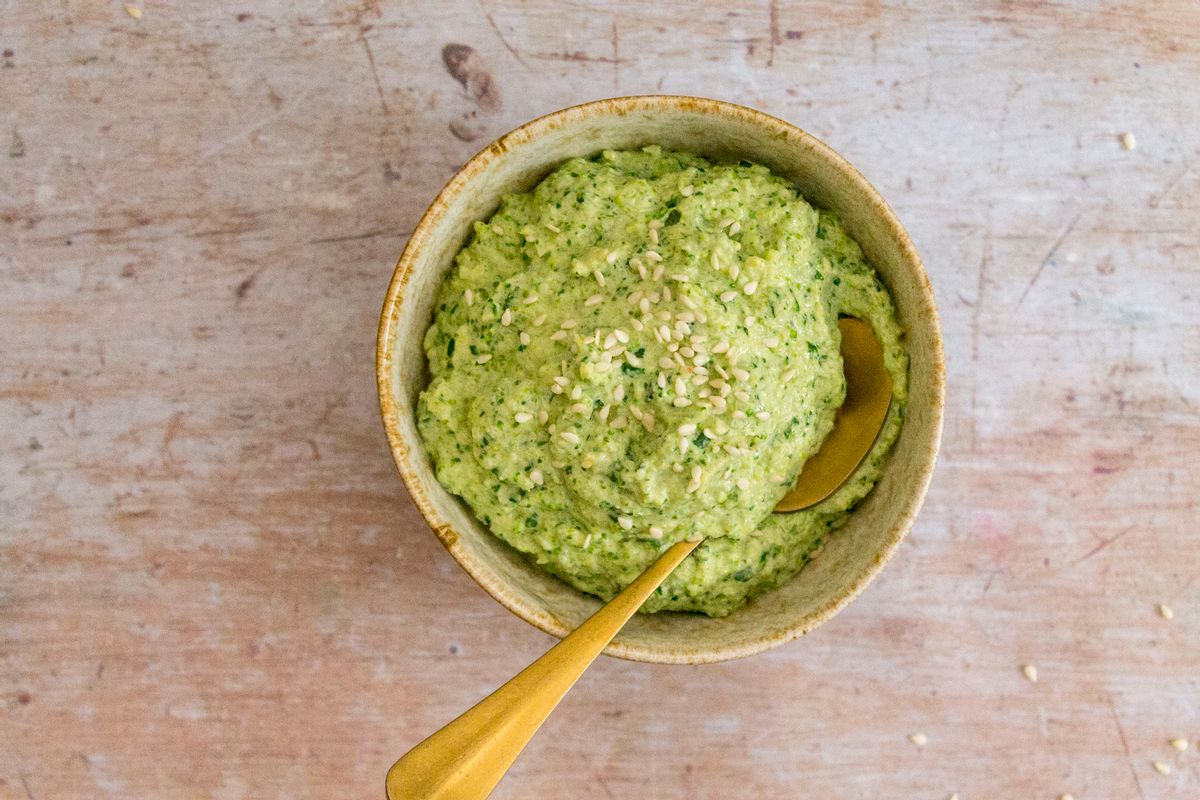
x: 212, y: 583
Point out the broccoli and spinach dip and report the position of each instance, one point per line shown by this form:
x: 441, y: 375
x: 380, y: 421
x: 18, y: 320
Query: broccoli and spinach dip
x: 644, y: 349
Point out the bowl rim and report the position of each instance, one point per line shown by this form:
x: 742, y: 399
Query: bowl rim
x: 400, y: 448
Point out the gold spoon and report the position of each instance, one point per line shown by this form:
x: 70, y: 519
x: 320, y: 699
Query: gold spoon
x: 467, y: 758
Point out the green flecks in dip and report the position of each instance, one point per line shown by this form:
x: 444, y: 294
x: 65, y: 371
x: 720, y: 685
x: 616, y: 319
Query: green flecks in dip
x: 644, y: 349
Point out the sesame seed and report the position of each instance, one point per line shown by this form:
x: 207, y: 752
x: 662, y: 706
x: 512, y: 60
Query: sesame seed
x: 705, y: 392
x: 728, y: 295
x: 734, y: 228
x: 522, y: 417
x: 751, y: 287
x: 1030, y: 673
x: 625, y: 522
x: 603, y: 366
x: 743, y: 483
x: 619, y: 422
x: 536, y: 476
x: 787, y: 376
x: 656, y: 224
x: 721, y: 371
x: 763, y: 415
x: 687, y: 352
x: 743, y: 396
x: 648, y: 422
x: 594, y: 300
x: 654, y: 236
x: 694, y: 483
x: 506, y: 317
x: 612, y: 257
x: 588, y: 540
x: 577, y: 392
x: 599, y: 276
x: 1165, y: 612
x: 644, y: 305
x: 771, y: 341
x: 636, y: 324
x: 750, y: 321
x: 698, y: 379
x: 1161, y: 768
x: 587, y: 460
x: 733, y: 451
x: 580, y: 408
x: 556, y: 388
x: 551, y: 226
x: 666, y: 363
x: 483, y: 359
x: 610, y: 341
x: 681, y: 402
x: 618, y: 393
x: 664, y: 332
x: 561, y: 380
x: 739, y: 414
x: 734, y: 270
x: 686, y: 316
x: 919, y: 739
x: 652, y: 256
x: 1128, y: 141
x: 641, y: 268
x: 468, y: 296
x: 718, y: 402
x: 558, y: 335
x: 568, y: 324
x: 604, y: 412
x: 633, y: 360
x: 664, y: 315
x: 680, y: 277
x: 1179, y: 744
x: 658, y: 273
x: 700, y: 359
x: 666, y: 293
x: 720, y: 347
x: 537, y: 323
x: 621, y: 335
x: 543, y: 416
x: 678, y: 359
x: 636, y: 412
x: 689, y: 302
x: 714, y: 261
x: 496, y: 229
x: 570, y: 437
x: 687, y: 429
x: 740, y: 374
x: 533, y: 298
x: 687, y: 190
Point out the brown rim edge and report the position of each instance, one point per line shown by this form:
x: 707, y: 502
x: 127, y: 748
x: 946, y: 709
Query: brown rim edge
x: 384, y: 357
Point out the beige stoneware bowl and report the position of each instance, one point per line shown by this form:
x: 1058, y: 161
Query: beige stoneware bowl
x: 515, y: 163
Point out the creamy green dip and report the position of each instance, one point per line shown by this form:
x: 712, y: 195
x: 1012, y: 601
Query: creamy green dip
x: 645, y: 349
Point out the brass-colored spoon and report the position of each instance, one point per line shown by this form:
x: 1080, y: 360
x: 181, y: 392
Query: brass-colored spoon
x: 467, y: 758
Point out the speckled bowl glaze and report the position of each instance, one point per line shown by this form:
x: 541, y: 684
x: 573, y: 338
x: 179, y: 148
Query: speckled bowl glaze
x: 515, y: 163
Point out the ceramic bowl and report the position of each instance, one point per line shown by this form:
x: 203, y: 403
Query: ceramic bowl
x: 723, y: 131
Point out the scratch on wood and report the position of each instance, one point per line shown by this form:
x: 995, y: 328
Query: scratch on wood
x: 1125, y: 744
x: 515, y: 54
x: 616, y: 55
x: 355, y: 236
x: 1049, y: 256
x: 362, y: 37
x: 1104, y: 544
x: 774, y: 38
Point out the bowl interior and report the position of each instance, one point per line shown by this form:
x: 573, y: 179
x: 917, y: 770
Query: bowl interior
x: 721, y: 131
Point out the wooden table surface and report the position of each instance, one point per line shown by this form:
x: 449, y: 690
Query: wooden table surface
x: 212, y: 581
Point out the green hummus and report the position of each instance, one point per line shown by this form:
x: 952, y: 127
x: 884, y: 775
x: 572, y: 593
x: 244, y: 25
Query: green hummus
x: 645, y: 349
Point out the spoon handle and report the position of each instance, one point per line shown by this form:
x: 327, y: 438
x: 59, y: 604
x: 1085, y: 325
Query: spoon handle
x: 467, y: 758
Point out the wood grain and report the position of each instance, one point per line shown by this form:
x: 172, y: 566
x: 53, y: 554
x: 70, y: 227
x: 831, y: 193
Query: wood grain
x: 212, y: 583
